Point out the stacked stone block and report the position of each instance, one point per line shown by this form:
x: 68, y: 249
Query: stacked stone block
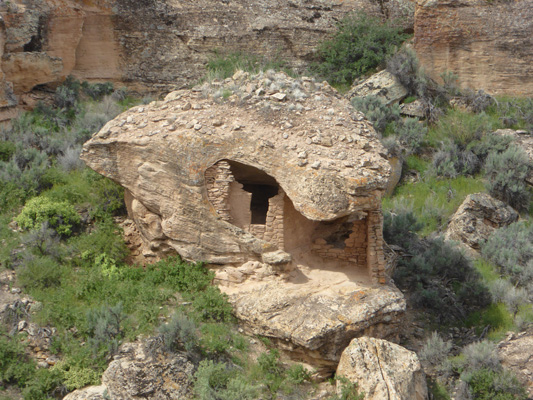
x: 375, y: 255
x: 274, y: 222
x: 217, y: 179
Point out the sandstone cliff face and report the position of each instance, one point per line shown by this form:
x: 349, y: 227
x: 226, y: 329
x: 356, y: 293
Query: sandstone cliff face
x: 155, y: 45
x: 488, y: 44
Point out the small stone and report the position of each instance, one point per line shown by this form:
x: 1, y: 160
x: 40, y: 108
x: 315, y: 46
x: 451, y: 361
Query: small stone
x: 279, y: 96
x: 186, y: 106
x: 260, y: 92
x: 285, y: 135
x: 15, y: 290
x: 129, y: 120
x: 197, y: 127
x: 302, y: 154
x: 217, y: 122
x: 315, y: 165
x: 21, y: 325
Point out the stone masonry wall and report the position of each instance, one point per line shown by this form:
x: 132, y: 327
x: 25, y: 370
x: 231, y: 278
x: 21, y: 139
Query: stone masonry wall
x: 355, y: 246
x: 375, y: 256
x: 274, y: 222
x: 217, y: 179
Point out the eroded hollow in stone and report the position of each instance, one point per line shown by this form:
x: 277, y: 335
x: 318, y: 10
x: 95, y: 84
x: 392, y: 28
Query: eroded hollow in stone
x: 254, y: 201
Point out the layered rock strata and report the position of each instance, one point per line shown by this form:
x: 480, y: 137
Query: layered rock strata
x: 159, y: 45
x: 487, y: 44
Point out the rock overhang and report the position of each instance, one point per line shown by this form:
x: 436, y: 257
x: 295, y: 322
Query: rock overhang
x: 324, y: 154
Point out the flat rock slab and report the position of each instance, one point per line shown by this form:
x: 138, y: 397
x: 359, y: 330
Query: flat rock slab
x: 516, y: 353
x: 315, y: 320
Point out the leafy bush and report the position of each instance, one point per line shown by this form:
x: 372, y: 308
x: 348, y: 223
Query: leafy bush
x: 179, y: 330
x: 486, y: 384
x: 506, y: 173
x: 441, y: 279
x: 216, y: 338
x: 435, y: 352
x: 411, y: 133
x: 60, y: 216
x: 40, y: 272
x: 378, y: 113
x: 349, y: 390
x: 212, y: 305
x: 216, y: 381
x: 450, y: 161
x: 404, y: 65
x: 7, y: 149
x: 104, y: 327
x: 15, y: 366
x: 360, y: 44
x: 399, y: 228
x: 490, y: 143
x: 97, y: 90
x: 461, y: 127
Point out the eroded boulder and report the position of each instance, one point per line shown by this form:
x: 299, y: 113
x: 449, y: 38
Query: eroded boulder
x: 477, y: 218
x: 383, y: 85
x: 516, y: 354
x: 383, y: 370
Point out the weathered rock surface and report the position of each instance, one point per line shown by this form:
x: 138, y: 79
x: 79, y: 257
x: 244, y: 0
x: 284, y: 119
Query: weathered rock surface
x: 383, y: 370
x: 383, y: 85
x: 162, y: 44
x: 516, y: 353
x: 142, y: 370
x: 477, y: 218
x: 314, y: 315
x: 523, y: 139
x: 319, y: 154
x: 88, y: 393
x: 303, y: 262
x: 487, y: 44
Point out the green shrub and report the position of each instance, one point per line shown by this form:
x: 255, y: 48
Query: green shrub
x: 510, y: 246
x: 490, y: 143
x: 378, y: 113
x: 40, y: 272
x: 7, y: 149
x: 479, y: 355
x: 216, y: 338
x: 399, y: 228
x: 211, y: 379
x: 60, y: 216
x: 349, y: 390
x: 15, y: 366
x: 411, y: 133
x: 104, y: 327
x: 212, y: 305
x: 435, y: 352
x: 298, y: 374
x: 97, y: 90
x: 486, y: 384
x: 75, y: 375
x: 441, y: 280
x: 179, y: 331
x: 360, y: 44
x: 506, y: 173
x: 461, y: 127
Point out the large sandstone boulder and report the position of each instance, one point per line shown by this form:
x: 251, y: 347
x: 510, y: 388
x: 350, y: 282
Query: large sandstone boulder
x: 281, y: 164
x: 486, y: 43
x: 516, y: 354
x: 383, y: 85
x: 477, y: 218
x: 142, y: 370
x: 277, y: 183
x: 383, y: 370
x: 315, y: 320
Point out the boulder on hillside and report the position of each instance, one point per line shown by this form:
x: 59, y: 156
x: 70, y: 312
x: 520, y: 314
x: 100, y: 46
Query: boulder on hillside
x: 523, y: 139
x: 383, y: 85
x: 516, y: 354
x: 314, y: 316
x: 477, y: 218
x: 142, y: 370
x: 382, y: 370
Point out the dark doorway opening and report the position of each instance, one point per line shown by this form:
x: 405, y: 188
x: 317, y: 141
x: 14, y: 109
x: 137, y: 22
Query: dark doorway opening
x: 259, y: 202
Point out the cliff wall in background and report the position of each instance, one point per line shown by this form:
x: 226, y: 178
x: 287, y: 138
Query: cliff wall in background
x: 159, y: 44
x: 488, y: 44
